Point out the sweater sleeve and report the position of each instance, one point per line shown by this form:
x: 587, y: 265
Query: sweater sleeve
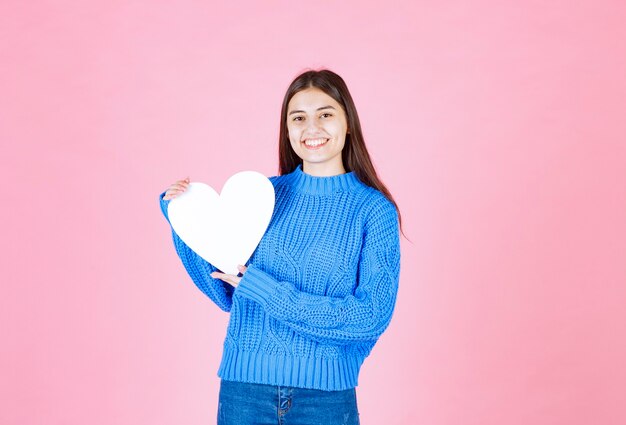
x: 199, y: 269
x: 358, y: 317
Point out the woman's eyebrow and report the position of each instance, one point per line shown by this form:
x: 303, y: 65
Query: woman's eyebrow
x: 318, y: 109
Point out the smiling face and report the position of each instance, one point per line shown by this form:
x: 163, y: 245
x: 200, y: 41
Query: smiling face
x: 317, y: 127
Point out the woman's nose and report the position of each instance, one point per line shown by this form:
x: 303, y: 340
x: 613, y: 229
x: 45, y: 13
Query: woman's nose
x: 313, y: 124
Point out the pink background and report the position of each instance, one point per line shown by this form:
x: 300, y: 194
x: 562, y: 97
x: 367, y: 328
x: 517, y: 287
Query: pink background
x: 498, y: 126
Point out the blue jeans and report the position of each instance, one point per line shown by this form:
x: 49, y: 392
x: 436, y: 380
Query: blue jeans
x: 241, y: 403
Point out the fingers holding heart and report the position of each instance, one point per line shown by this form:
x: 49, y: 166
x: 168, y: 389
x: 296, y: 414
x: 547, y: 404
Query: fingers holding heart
x: 230, y: 278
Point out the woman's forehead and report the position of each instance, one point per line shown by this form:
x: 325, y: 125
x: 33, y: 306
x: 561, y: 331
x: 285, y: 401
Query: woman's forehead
x: 311, y: 98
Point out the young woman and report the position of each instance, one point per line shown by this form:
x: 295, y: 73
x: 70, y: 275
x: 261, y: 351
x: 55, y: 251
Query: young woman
x: 321, y: 286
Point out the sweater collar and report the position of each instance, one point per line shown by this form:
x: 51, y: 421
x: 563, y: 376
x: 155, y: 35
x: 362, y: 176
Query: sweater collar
x: 303, y: 182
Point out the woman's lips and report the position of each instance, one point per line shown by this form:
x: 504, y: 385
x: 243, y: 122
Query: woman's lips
x: 315, y: 146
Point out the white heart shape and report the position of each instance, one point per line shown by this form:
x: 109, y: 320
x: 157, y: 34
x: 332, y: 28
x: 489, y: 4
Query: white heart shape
x: 224, y: 229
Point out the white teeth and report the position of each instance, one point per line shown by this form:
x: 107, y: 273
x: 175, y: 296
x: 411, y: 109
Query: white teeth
x: 315, y: 142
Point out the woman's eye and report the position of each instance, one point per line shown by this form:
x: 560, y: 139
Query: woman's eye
x: 300, y: 118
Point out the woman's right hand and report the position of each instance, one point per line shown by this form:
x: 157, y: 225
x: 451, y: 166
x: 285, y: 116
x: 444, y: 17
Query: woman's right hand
x: 176, y: 189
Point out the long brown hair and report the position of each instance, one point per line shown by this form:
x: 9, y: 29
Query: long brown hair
x: 354, y: 154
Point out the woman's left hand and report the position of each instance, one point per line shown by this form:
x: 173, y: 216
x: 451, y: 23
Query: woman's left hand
x: 230, y: 278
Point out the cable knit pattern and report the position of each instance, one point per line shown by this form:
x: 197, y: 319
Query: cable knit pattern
x: 319, y: 290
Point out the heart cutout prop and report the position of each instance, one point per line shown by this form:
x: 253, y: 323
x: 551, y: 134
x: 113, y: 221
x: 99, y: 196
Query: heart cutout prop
x: 225, y: 228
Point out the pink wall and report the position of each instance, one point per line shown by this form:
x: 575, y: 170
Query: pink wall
x: 498, y: 126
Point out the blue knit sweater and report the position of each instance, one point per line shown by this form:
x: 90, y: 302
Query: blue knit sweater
x: 319, y: 290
